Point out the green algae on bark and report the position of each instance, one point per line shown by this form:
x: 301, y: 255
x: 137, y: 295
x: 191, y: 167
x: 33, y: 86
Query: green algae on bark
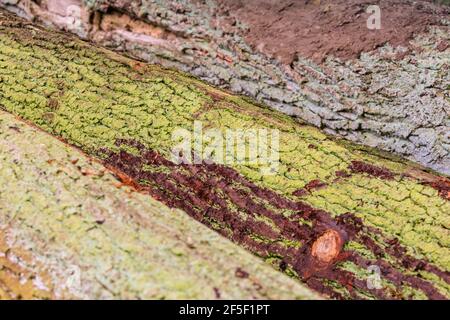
x: 71, y: 232
x: 392, y: 94
x: 122, y: 111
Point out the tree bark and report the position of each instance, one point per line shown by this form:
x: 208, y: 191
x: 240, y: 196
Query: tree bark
x: 315, y: 60
x: 70, y: 230
x: 347, y: 221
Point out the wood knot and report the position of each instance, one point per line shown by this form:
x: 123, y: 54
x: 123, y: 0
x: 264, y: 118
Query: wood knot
x: 327, y: 247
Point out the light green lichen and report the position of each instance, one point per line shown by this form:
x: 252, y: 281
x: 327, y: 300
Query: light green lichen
x: 68, y: 213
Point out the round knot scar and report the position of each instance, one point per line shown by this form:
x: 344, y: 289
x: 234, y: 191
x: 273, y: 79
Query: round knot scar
x: 327, y: 247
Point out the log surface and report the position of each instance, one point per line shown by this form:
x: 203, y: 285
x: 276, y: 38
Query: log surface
x: 314, y: 60
x: 330, y: 215
x: 69, y: 230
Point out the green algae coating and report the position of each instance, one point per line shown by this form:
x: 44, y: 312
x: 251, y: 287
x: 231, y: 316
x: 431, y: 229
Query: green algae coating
x: 103, y: 97
x: 66, y: 210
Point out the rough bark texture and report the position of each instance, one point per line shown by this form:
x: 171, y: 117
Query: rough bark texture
x: 330, y: 213
x: 315, y: 60
x: 68, y: 229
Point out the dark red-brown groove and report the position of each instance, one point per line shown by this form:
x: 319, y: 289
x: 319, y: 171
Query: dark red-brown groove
x: 215, y: 194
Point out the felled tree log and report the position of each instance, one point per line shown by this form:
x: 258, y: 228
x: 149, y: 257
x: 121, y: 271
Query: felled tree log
x: 69, y: 230
x: 316, y: 60
x: 330, y: 215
